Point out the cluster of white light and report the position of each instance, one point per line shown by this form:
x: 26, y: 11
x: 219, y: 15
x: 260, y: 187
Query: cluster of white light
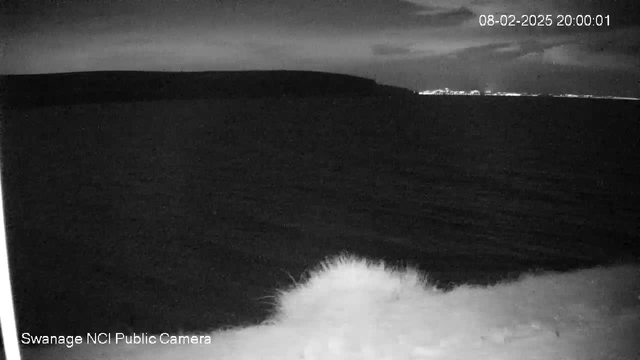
x: 447, y: 91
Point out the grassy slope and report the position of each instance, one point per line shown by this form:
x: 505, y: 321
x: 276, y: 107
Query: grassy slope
x: 351, y: 308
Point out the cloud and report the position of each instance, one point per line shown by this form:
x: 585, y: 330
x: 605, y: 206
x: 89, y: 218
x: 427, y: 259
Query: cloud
x: 435, y: 11
x: 622, y: 12
x: 476, y: 8
x: 575, y: 55
x: 615, y: 47
x: 446, y: 12
x: 513, y: 47
x: 624, y: 41
x: 516, y: 7
x: 386, y: 49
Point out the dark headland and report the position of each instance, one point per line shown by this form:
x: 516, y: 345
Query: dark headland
x: 126, y: 86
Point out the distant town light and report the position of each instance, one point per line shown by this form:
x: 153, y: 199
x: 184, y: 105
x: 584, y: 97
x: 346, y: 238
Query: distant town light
x: 447, y: 91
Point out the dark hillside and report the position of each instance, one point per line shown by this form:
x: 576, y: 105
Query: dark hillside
x: 126, y: 86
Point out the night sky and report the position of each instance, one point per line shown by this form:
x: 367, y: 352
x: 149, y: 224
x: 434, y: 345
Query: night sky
x: 418, y: 44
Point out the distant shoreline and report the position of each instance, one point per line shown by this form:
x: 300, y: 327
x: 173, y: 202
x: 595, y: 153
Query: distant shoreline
x: 129, y: 86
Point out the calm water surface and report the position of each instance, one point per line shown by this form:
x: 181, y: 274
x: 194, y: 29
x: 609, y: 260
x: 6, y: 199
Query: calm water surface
x: 159, y: 216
